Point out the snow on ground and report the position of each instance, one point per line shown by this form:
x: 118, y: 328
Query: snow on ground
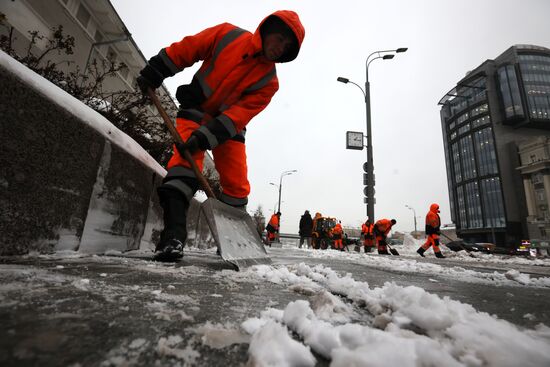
x: 409, y: 327
x: 341, y: 319
x: 408, y: 262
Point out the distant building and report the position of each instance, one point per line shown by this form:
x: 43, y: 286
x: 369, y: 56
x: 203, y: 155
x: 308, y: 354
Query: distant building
x: 98, y: 30
x: 496, y: 126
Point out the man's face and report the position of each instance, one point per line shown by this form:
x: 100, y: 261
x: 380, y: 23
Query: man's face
x: 276, y: 45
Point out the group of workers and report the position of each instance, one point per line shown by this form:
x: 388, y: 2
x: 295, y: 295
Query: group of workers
x: 379, y: 231
x: 373, y: 234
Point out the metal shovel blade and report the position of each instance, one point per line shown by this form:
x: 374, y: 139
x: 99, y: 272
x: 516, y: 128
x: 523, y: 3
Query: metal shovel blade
x: 235, y: 234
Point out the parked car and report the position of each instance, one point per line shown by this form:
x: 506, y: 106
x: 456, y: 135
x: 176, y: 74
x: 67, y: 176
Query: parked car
x: 471, y: 246
x: 533, y: 248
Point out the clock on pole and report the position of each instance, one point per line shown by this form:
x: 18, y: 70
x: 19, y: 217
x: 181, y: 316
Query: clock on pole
x: 354, y: 140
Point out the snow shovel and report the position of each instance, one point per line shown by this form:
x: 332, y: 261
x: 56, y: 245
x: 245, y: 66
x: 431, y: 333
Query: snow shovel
x: 392, y: 250
x: 459, y: 245
x: 233, y: 230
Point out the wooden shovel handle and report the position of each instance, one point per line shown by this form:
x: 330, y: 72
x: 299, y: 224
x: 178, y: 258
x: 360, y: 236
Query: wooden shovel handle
x: 202, y: 181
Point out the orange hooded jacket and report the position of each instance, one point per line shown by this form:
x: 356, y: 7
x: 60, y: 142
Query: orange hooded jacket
x: 234, y: 83
x: 433, y: 221
x: 383, y: 226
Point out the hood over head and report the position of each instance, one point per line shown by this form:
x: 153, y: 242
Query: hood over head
x: 287, y: 23
x: 434, y: 208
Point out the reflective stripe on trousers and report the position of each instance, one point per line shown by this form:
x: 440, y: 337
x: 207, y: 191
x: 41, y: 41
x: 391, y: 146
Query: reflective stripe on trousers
x: 229, y: 160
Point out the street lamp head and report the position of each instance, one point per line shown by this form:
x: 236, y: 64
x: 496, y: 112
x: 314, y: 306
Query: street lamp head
x: 388, y: 57
x: 343, y: 80
x: 401, y: 49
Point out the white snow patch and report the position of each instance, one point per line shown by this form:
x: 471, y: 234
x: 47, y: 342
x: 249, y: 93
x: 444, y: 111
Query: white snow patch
x: 272, y: 345
x: 410, y: 327
x: 220, y: 336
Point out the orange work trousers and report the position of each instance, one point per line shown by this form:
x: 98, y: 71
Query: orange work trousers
x: 432, y: 240
x: 229, y: 159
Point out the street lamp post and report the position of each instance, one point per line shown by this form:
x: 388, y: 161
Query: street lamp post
x: 414, y: 213
x: 280, y: 187
x: 285, y: 173
x: 384, y: 55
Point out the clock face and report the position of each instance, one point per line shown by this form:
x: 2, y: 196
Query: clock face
x: 354, y: 140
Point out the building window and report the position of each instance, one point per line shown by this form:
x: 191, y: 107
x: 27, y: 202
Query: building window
x: 453, y: 135
x: 464, y: 129
x: 456, y: 163
x: 83, y: 15
x: 493, y: 204
x: 461, y: 207
x: 462, y: 118
x: 541, y: 196
x: 485, y: 150
x: 481, y: 121
x: 473, y: 202
x: 510, y: 91
x: 484, y: 108
x: 535, y: 71
x: 467, y: 157
x: 537, y: 178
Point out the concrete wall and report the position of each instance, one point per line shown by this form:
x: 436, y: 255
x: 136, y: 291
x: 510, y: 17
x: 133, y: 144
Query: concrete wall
x: 69, y: 180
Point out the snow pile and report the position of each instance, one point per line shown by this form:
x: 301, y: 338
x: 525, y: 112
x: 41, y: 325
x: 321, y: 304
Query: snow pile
x: 406, y: 326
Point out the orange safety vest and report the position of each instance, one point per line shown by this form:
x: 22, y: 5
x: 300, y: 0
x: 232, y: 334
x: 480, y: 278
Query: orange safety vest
x: 367, y: 230
x: 274, y: 222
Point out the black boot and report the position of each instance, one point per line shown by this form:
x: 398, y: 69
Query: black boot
x: 421, y: 251
x: 439, y: 255
x: 174, y: 234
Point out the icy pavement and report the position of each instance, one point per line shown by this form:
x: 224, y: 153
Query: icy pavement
x: 310, y: 308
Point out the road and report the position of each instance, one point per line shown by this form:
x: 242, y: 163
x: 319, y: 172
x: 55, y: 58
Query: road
x: 119, y: 310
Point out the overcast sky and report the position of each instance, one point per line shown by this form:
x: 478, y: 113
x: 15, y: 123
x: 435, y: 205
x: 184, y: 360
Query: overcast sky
x: 304, y: 126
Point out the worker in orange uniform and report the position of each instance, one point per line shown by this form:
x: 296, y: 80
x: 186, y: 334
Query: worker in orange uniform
x: 273, y: 228
x: 337, y: 234
x: 367, y: 231
x: 433, y: 224
x: 382, y: 228
x: 235, y: 82
x: 315, y: 234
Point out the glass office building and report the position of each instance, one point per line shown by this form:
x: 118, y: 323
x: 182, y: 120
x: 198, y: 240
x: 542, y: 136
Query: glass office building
x: 498, y: 106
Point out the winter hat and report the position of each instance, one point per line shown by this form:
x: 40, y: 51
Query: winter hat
x: 274, y: 24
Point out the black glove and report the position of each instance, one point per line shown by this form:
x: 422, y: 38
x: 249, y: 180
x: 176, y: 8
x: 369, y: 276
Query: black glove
x: 144, y: 84
x: 191, y: 145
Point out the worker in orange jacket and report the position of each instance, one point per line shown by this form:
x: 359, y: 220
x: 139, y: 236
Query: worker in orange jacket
x: 315, y: 234
x: 367, y: 231
x: 337, y: 234
x: 272, y: 228
x: 235, y: 82
x: 382, y: 228
x: 433, y: 224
